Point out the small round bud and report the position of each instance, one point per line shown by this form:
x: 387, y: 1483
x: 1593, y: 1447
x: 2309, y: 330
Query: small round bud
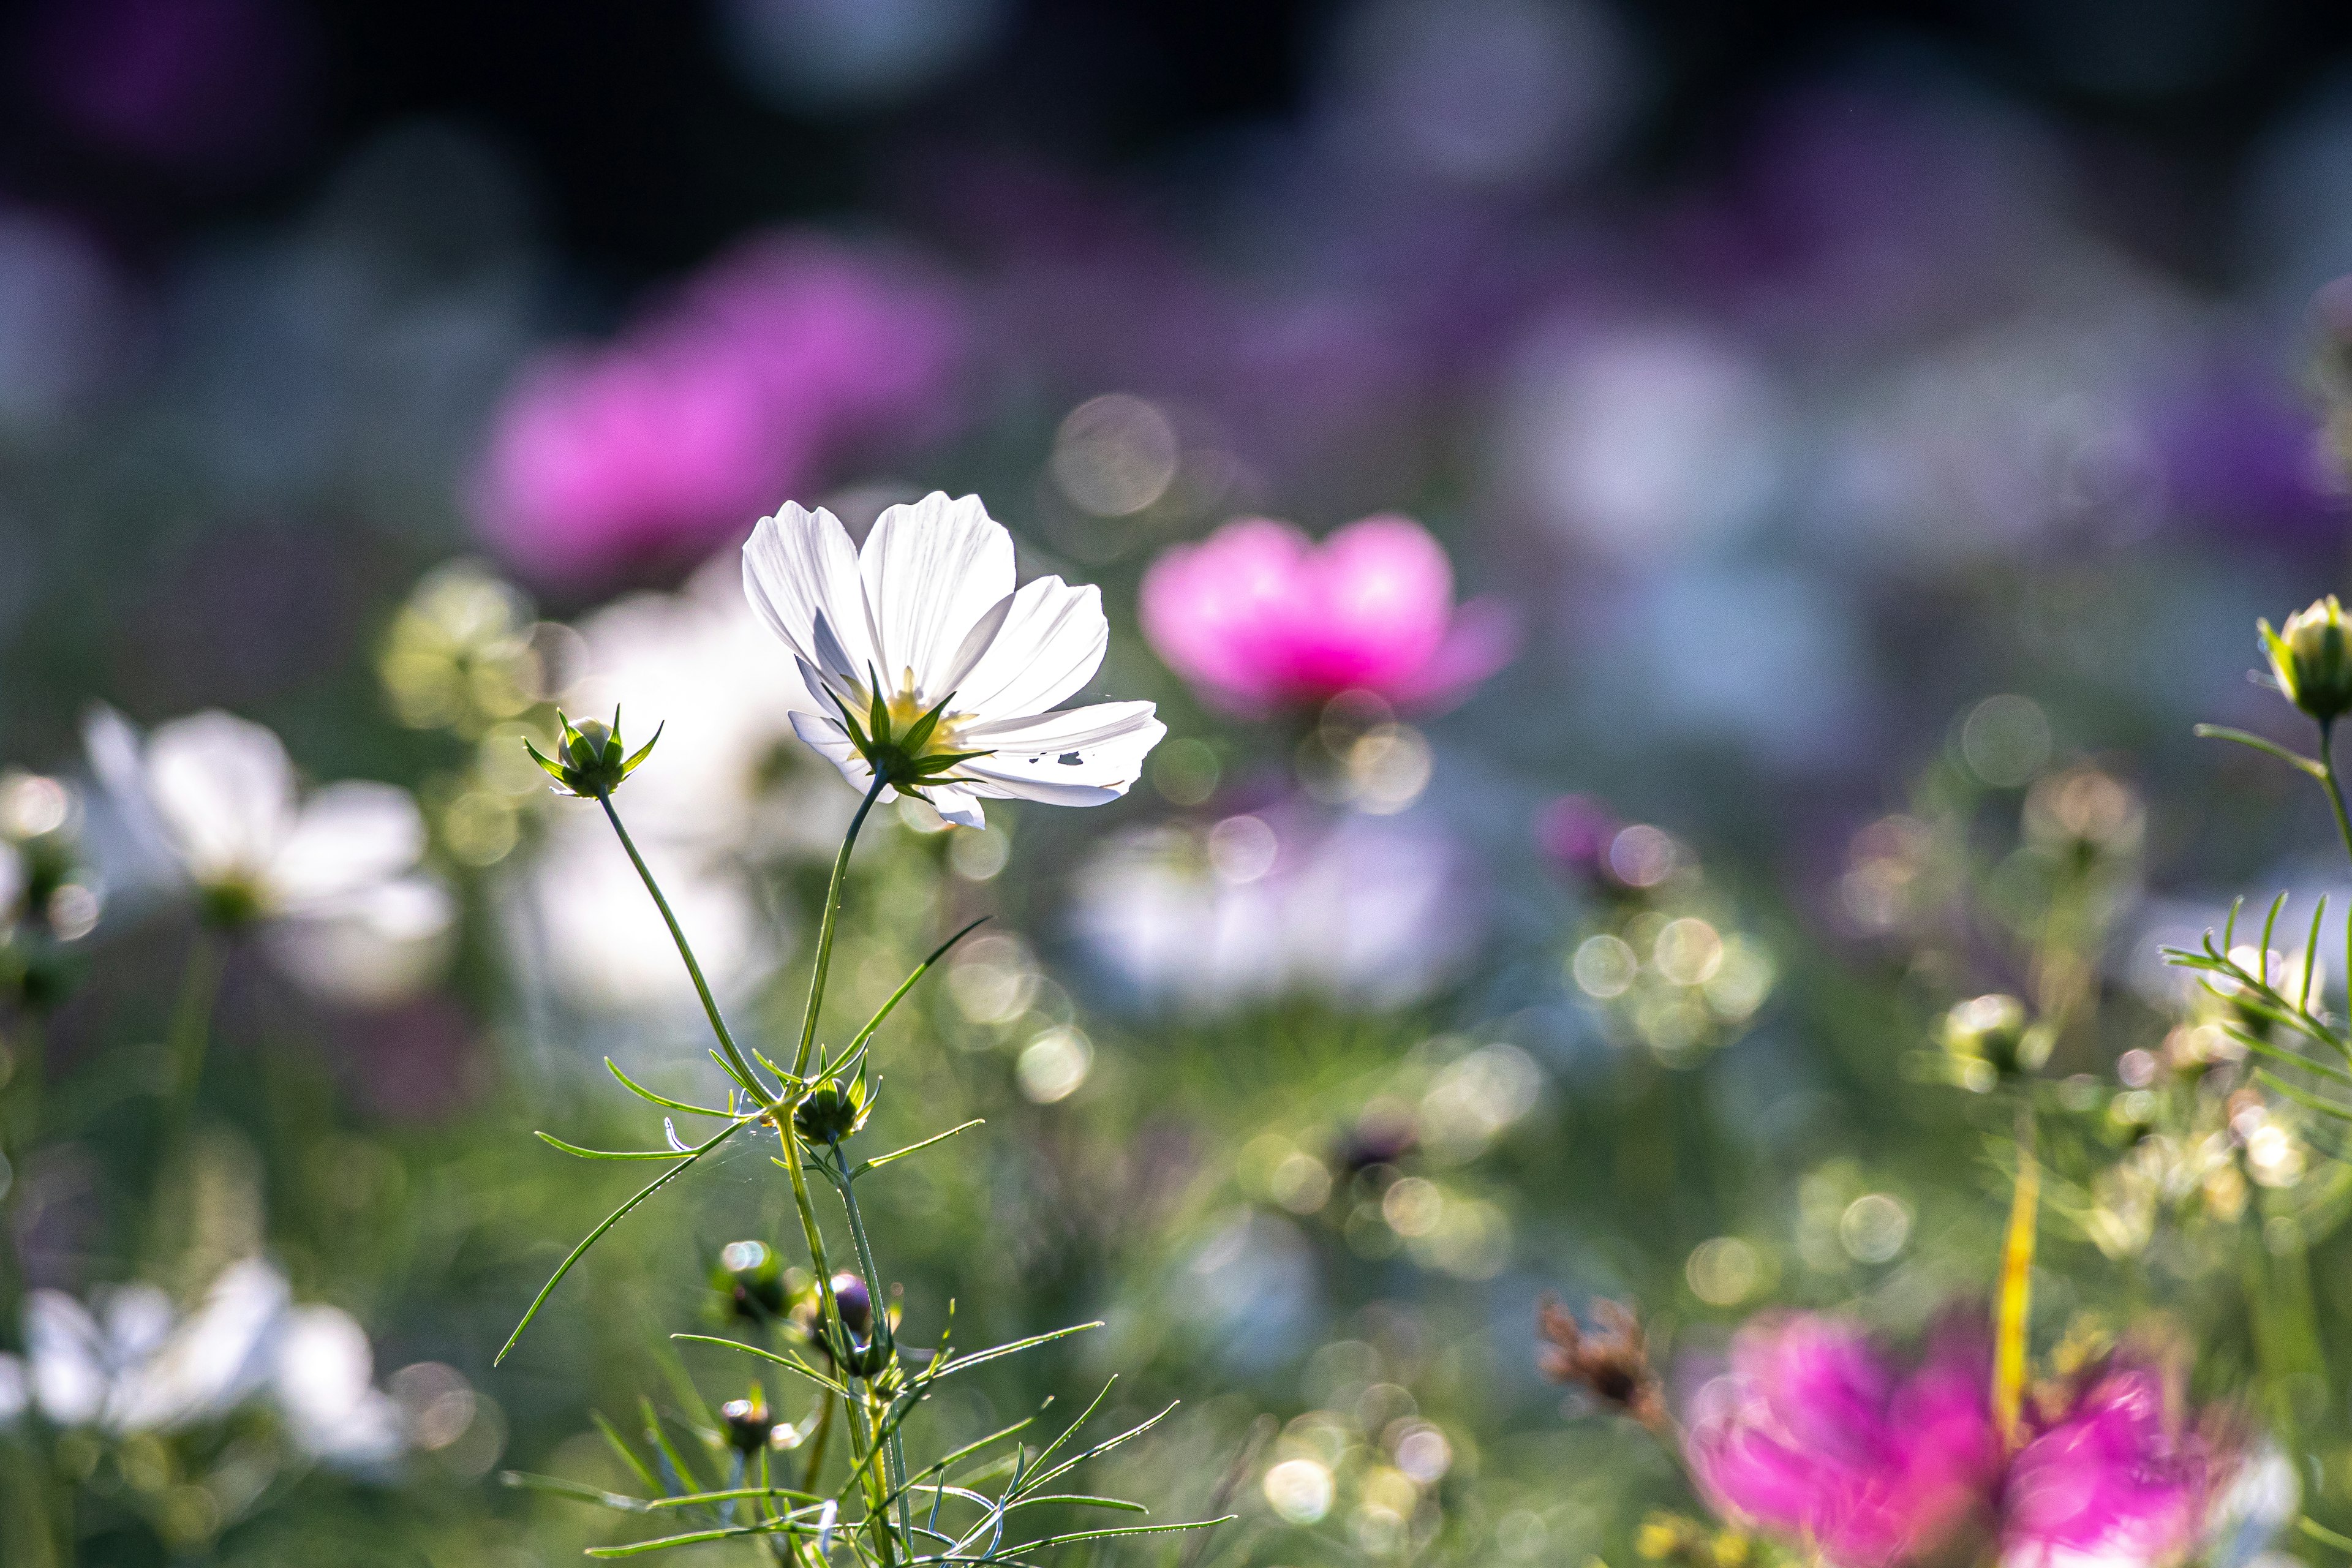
x: 751, y: 1281
x: 1991, y: 1040
x: 849, y: 1293
x: 747, y: 1425
x: 590, y: 760
x: 2311, y: 659
x: 832, y: 1110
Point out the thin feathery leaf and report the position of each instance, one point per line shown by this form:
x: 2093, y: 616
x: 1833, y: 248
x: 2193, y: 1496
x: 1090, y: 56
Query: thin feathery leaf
x: 2290, y: 1058
x: 1046, y: 1477
x: 905, y: 986
x: 879, y: 1159
x: 578, y: 1491
x: 615, y: 1218
x: 790, y: 1364
x: 2270, y: 923
x: 946, y: 1368
x: 552, y: 1141
x: 2311, y: 956
x: 2268, y: 748
x: 2303, y: 1097
x: 642, y: 1092
x: 644, y: 1471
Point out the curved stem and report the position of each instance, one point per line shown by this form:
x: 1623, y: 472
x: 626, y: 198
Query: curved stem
x: 2334, y: 784
x: 825, y: 925
x: 701, y: 986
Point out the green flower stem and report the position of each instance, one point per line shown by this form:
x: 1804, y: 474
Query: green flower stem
x: 824, y: 927
x: 191, y: 1033
x: 897, y: 1454
x: 701, y: 986
x: 781, y: 1114
x: 2333, y: 783
x: 816, y: 1448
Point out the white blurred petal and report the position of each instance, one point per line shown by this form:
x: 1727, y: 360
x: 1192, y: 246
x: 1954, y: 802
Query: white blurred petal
x: 214, y: 1362
x: 346, y: 838
x: 374, y: 945
x: 225, y: 790
x: 322, y: 1376
x: 65, y: 1353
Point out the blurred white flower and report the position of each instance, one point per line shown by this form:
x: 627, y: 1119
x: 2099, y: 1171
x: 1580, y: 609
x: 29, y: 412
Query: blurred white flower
x: 134, y: 1366
x: 929, y: 610
x: 724, y: 777
x: 1368, y: 909
x: 322, y: 1374
x: 586, y: 932
x: 211, y: 802
x: 1645, y: 442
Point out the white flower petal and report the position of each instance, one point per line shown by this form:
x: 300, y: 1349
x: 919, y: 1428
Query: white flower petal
x: 64, y: 1350
x: 215, y: 1359
x: 225, y: 791
x: 932, y: 571
x: 957, y: 804
x: 348, y: 837
x: 829, y: 740
x: 322, y: 1373
x: 113, y: 748
x: 372, y: 945
x: 1050, y: 644
x: 799, y: 562
x: 1074, y: 773
x: 1066, y: 730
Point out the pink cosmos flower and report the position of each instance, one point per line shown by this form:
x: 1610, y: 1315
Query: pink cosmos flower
x: 2115, y: 1478
x: 783, y: 361
x: 1816, y: 1434
x: 1257, y: 615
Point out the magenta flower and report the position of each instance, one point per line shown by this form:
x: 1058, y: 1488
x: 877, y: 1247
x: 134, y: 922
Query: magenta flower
x: 2115, y: 1478
x: 1257, y: 616
x: 785, y: 361
x: 1818, y: 1436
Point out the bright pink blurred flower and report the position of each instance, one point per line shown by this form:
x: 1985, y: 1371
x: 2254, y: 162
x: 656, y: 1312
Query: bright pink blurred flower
x: 1259, y: 616
x: 785, y: 359
x: 2117, y: 1479
x: 1818, y: 1436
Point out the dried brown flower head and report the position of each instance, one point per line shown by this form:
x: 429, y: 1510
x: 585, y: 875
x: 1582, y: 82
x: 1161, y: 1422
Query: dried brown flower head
x: 1610, y: 1361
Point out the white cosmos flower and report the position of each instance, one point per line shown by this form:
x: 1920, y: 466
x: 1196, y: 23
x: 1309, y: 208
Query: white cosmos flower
x: 335, y: 877
x: 928, y: 612
x: 135, y: 1365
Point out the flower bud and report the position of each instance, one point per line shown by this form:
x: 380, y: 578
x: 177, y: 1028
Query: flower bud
x: 590, y: 759
x: 832, y: 1110
x: 751, y: 1281
x: 2311, y: 661
x: 747, y: 1425
x: 1992, y: 1040
x: 849, y: 1293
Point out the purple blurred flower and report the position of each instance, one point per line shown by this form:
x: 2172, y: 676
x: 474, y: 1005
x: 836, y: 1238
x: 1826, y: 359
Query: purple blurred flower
x: 786, y: 360
x: 1817, y: 1434
x: 2117, y: 1478
x: 1574, y: 832
x: 1259, y: 616
x: 198, y: 85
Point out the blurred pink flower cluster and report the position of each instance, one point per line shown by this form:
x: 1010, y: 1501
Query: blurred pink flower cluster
x: 785, y: 359
x: 1816, y: 1434
x: 1259, y: 616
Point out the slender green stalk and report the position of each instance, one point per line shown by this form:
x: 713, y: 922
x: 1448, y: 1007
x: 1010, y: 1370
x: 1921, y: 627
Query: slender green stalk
x: 2333, y: 783
x: 897, y: 1454
x: 825, y: 925
x: 701, y: 986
